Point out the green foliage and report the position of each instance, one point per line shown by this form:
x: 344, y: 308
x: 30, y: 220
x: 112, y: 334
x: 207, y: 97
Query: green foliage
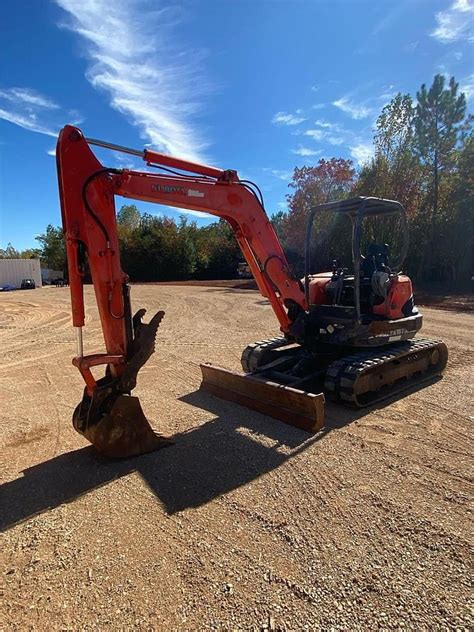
x: 437, y: 125
x: 9, y: 252
x: 278, y: 222
x: 439, y: 113
x: 424, y: 159
x: 217, y: 251
x: 160, y: 249
x: 53, y: 248
x: 128, y: 217
x: 395, y: 171
x: 12, y: 253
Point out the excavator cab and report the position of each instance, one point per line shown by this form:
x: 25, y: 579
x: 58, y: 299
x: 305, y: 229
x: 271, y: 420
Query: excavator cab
x: 371, y: 303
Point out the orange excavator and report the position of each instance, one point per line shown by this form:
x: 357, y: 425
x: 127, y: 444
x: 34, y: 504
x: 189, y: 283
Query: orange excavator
x: 349, y: 335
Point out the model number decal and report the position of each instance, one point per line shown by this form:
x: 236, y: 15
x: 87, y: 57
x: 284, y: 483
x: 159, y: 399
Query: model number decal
x: 165, y: 188
x: 395, y: 334
x: 194, y: 193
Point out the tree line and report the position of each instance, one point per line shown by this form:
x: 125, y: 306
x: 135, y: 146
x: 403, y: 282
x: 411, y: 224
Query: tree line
x: 153, y: 248
x: 423, y: 157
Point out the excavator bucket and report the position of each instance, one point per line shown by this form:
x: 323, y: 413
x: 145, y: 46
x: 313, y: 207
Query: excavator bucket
x: 112, y: 419
x: 290, y: 405
x: 122, y: 432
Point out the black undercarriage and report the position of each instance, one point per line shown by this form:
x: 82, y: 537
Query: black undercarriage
x: 338, y: 325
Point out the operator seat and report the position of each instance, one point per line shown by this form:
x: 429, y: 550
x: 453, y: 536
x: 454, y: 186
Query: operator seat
x: 376, y: 259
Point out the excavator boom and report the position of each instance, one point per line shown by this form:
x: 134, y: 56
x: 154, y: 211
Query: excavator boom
x: 108, y: 416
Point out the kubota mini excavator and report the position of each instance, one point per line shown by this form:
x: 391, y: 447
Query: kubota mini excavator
x: 349, y: 335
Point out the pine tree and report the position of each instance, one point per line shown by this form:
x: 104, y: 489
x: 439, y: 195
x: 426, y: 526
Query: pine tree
x: 437, y: 122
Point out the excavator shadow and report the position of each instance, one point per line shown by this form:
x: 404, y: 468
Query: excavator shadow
x: 234, y: 448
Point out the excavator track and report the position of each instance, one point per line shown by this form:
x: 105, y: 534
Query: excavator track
x: 368, y: 377
x: 360, y: 379
x: 259, y: 353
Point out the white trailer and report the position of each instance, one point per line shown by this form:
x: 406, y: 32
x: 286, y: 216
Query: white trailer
x: 13, y: 271
x: 49, y: 275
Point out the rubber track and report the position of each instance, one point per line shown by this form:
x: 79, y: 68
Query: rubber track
x: 342, y: 375
x: 253, y: 355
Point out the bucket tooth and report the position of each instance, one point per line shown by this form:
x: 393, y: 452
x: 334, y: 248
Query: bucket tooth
x: 292, y: 406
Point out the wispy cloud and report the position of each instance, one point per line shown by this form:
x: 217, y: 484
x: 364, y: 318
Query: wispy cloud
x: 28, y: 109
x: 27, y: 121
x: 388, y: 92
x: 27, y: 96
x: 315, y: 134
x: 34, y: 111
x: 305, y: 151
x: 356, y: 111
x: 188, y: 211
x: 172, y: 211
x: 390, y: 16
x: 318, y: 106
x: 327, y: 125
x: 156, y: 86
x: 467, y: 86
x: 283, y: 118
x: 281, y: 174
x: 335, y: 140
x: 325, y: 132
x: 362, y: 152
x: 411, y: 47
x: 51, y: 152
x: 456, y: 23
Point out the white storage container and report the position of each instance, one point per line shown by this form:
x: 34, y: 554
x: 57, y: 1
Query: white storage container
x: 13, y: 271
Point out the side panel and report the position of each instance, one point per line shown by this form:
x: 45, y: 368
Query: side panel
x: 399, y: 293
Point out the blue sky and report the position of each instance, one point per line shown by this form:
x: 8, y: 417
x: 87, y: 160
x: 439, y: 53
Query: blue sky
x: 253, y: 85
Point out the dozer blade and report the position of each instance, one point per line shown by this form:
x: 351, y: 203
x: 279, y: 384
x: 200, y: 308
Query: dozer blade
x: 294, y: 407
x: 124, y: 431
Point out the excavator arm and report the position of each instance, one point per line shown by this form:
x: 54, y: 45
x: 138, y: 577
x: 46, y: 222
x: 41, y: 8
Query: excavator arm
x: 108, y: 415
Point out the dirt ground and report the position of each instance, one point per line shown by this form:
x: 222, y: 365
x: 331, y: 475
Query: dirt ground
x: 245, y: 523
x: 437, y: 297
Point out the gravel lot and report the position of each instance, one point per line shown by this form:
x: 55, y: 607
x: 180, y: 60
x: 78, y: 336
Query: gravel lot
x: 245, y: 523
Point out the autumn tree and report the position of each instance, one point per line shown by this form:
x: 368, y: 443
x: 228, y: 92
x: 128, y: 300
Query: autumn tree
x: 329, y: 180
